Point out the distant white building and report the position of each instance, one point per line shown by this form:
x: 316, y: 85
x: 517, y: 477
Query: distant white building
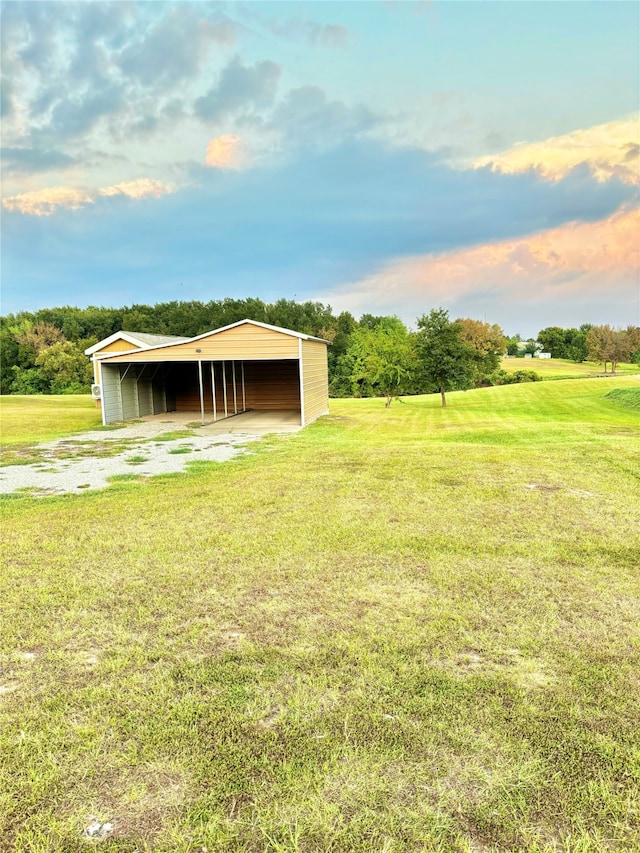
x: 543, y: 355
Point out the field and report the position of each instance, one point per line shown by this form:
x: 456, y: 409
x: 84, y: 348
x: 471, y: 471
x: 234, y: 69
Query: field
x: 25, y: 420
x: 559, y: 368
x: 413, y: 629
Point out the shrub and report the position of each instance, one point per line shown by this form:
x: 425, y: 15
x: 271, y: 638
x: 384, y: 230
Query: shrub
x: 502, y: 377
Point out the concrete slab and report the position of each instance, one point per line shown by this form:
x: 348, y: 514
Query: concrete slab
x: 254, y: 423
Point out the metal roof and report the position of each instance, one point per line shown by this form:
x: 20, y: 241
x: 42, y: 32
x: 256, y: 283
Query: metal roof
x: 146, y: 341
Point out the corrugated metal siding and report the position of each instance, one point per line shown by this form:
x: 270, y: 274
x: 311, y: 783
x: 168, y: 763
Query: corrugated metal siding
x: 111, y: 394
x: 145, y: 398
x: 273, y: 385
x: 240, y: 343
x: 269, y: 386
x: 129, y: 396
x: 315, y: 379
x: 159, y: 400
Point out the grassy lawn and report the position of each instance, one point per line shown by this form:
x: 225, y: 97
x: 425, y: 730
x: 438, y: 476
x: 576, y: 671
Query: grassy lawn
x: 411, y: 629
x: 29, y: 419
x: 559, y: 368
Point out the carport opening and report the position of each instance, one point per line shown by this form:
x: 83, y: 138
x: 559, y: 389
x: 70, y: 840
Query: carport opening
x: 214, y: 390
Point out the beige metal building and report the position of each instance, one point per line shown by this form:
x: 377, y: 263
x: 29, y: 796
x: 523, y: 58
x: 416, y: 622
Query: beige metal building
x: 247, y: 366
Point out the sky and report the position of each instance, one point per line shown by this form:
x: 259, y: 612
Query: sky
x: 380, y: 157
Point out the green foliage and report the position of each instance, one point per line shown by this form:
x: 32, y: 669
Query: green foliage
x: 381, y: 360
x: 504, y: 377
x: 29, y: 380
x: 66, y: 368
x: 611, y: 346
x: 67, y: 331
x: 511, y: 345
x: 486, y: 343
x: 565, y: 343
x: 446, y: 362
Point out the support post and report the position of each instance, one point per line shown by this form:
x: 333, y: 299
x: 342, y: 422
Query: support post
x: 201, y: 391
x: 224, y: 387
x: 213, y: 392
x: 235, y: 391
x: 301, y: 375
x: 244, y: 396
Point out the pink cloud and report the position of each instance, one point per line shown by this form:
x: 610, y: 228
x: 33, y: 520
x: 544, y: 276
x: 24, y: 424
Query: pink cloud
x: 47, y: 201
x: 138, y: 189
x: 583, y: 259
x: 610, y: 150
x: 225, y: 152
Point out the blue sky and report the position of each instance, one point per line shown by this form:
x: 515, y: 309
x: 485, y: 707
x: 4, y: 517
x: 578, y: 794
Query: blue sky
x: 382, y: 157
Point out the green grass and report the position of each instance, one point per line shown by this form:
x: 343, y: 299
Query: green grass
x: 412, y: 629
x: 30, y: 419
x: 559, y: 368
x: 627, y: 397
x: 176, y: 433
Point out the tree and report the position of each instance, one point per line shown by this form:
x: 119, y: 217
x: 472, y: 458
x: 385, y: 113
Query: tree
x: 445, y: 361
x: 565, y: 343
x: 607, y: 345
x: 633, y: 333
x: 66, y: 367
x: 381, y: 359
x: 512, y: 345
x: 553, y: 340
x: 40, y: 336
x: 487, y: 344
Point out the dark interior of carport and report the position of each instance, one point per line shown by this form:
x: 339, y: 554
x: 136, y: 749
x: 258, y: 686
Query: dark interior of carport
x: 214, y: 389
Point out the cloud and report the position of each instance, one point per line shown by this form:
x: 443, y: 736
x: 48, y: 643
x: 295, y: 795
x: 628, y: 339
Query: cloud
x: 174, y: 47
x: 47, y: 201
x: 35, y: 160
x: 610, y: 150
x: 75, y: 117
x: 140, y: 188
x: 306, y: 115
x: 352, y: 213
x: 225, y: 152
x: 312, y: 32
x: 239, y: 87
x: 574, y: 264
x: 76, y: 68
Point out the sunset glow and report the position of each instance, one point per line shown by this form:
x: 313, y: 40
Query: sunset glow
x: 378, y: 157
x: 609, y: 150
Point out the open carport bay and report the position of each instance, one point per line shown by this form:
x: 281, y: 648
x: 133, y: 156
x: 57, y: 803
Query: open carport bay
x: 208, y: 390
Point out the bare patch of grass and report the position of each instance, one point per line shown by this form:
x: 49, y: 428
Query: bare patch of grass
x: 175, y: 434
x: 136, y: 459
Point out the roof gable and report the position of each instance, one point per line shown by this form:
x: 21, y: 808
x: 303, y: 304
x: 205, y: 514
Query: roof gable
x: 138, y: 340
x: 213, y: 333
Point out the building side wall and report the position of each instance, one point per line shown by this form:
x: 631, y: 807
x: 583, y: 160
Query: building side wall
x: 315, y: 378
x: 145, y: 398
x: 111, y: 394
x: 128, y: 392
x: 159, y: 397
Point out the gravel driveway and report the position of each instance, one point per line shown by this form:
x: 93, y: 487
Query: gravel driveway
x: 88, y: 461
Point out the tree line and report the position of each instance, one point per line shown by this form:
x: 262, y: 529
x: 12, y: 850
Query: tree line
x: 42, y: 352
